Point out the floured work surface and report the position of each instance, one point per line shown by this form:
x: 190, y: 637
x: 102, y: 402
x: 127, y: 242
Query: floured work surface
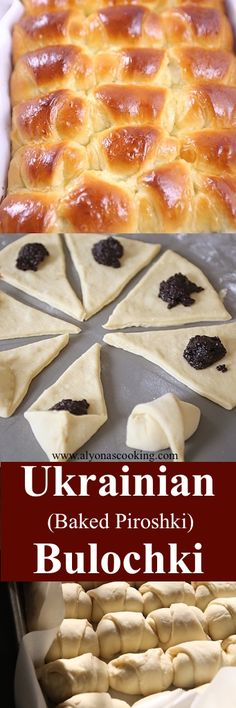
x: 124, y: 118
x: 127, y: 379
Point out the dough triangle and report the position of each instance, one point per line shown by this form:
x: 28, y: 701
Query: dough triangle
x: 49, y: 283
x: 166, y: 349
x: 19, y: 366
x: 101, y: 284
x: 19, y: 320
x: 60, y: 433
x: 143, y: 308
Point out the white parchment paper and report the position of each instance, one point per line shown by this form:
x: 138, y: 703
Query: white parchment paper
x: 221, y: 692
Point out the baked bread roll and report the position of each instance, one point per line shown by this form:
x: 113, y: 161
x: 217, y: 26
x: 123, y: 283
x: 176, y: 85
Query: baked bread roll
x: 220, y: 616
x: 93, y: 700
x: 195, y: 663
x: 204, y: 26
x: 75, y: 637
x: 163, y: 594
x: 121, y: 632
x: 64, y: 678
x: 207, y: 591
x: 77, y: 603
x: 197, y: 64
x: 37, y: 6
x: 49, y: 166
x: 114, y: 597
x: 144, y: 674
x: 211, y: 149
x: 178, y: 623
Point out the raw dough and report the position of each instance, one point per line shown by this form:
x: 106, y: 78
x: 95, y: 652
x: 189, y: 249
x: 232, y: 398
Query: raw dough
x: 166, y: 350
x: 77, y: 603
x: 163, y: 594
x: 60, y: 432
x: 19, y: 366
x: 220, y: 616
x: 120, y: 632
x: 75, y: 637
x: 164, y: 422
x: 114, y: 597
x: 178, y: 623
x: 93, y: 700
x: 18, y: 320
x: 143, y: 308
x: 101, y: 284
x: 49, y: 283
x: 195, y: 663
x: 206, y: 591
x: 64, y: 678
x: 229, y: 647
x: 144, y: 673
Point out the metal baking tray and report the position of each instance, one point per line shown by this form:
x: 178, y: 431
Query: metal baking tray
x: 127, y: 378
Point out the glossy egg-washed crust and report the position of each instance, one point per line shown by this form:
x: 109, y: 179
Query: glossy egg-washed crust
x: 124, y: 118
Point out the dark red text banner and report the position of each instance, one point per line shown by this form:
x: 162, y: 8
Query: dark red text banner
x: 105, y: 521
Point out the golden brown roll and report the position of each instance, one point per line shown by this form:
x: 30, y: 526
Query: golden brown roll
x: 43, y: 167
x: 37, y: 6
x: 207, y: 105
x: 33, y: 32
x: 125, y: 25
x: 203, y: 26
x: 26, y: 211
x: 166, y: 196
x: 198, y: 64
x: 213, y: 150
x: 133, y: 65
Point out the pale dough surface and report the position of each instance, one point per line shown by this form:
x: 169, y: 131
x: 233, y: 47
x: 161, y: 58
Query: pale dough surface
x: 229, y: 647
x: 49, y: 283
x: 206, y: 591
x: 220, y: 616
x: 196, y: 662
x: 114, y: 597
x: 19, y: 320
x: 64, y: 678
x: 19, y: 366
x: 77, y: 603
x: 166, y: 350
x: 143, y: 673
x: 164, y: 422
x: 101, y: 284
x: 143, y: 308
x: 120, y: 632
x: 163, y: 594
x: 61, y: 432
x: 93, y: 700
x: 178, y: 623
x: 75, y: 637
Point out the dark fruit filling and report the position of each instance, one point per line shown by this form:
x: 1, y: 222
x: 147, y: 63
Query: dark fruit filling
x: 30, y: 256
x: 74, y: 407
x: 203, y: 351
x: 222, y: 368
x: 108, y: 252
x: 177, y: 290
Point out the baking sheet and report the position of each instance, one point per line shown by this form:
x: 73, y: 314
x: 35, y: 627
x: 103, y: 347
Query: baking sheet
x: 129, y: 379
x: 10, y: 13
x: 34, y: 646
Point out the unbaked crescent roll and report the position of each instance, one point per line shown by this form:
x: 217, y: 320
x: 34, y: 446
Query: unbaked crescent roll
x: 114, y: 597
x: 220, y: 616
x: 78, y: 604
x: 121, y: 632
x: 178, y: 623
x: 145, y: 673
x: 156, y: 595
x: 229, y: 648
x: 64, y: 678
x: 195, y: 663
x: 93, y: 700
x: 75, y: 637
x: 207, y: 591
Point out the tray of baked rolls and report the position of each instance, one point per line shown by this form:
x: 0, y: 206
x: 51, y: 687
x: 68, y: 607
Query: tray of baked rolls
x: 113, y: 645
x: 123, y: 116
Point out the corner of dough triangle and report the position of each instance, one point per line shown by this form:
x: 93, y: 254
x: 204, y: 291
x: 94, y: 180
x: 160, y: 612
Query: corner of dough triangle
x: 49, y: 282
x: 100, y: 284
x: 143, y: 307
x: 18, y: 320
x: 19, y: 366
x: 60, y: 433
x: 166, y: 350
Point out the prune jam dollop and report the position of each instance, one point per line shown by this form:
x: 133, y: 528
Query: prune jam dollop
x: 108, y: 251
x: 203, y: 351
x: 74, y: 407
x: 177, y: 290
x: 222, y: 368
x: 30, y: 256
